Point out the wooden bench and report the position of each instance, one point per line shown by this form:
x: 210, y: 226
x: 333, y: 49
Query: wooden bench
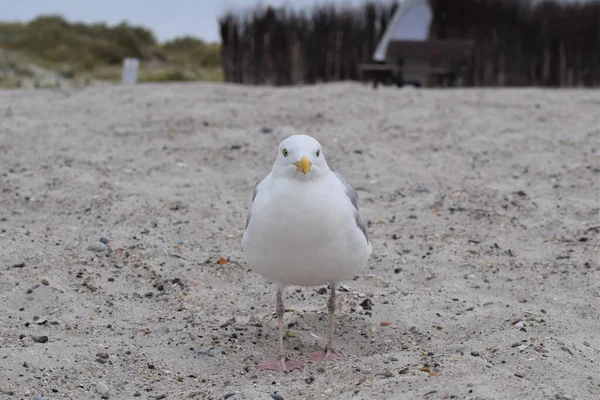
x: 441, y: 61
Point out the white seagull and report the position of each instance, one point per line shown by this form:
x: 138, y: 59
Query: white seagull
x: 303, y: 228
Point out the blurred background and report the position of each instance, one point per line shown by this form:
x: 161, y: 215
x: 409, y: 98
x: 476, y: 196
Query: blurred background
x: 423, y: 42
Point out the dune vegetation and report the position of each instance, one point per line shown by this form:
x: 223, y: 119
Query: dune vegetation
x: 89, y: 52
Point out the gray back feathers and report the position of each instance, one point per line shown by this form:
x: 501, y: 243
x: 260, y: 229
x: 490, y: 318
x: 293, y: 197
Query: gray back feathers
x: 353, y: 196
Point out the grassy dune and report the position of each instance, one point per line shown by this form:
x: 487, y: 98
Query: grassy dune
x: 87, y: 52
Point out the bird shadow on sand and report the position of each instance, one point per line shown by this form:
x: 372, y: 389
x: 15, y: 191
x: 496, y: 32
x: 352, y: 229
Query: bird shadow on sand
x: 305, y: 331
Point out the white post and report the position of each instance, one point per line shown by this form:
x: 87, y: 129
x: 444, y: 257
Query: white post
x: 130, y: 71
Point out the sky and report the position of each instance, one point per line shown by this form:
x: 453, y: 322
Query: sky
x: 166, y: 18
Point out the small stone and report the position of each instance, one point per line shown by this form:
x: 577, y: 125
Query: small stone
x: 266, y: 129
x: 39, y: 321
x: 586, y: 343
x: 40, y: 339
x: 101, y: 360
x: 518, y: 375
x: 97, y: 247
x: 276, y: 396
x: 468, y: 276
x: 31, y: 289
x: 328, y: 391
x: 515, y: 344
x: 344, y: 288
x: 228, y: 322
x: 388, y: 374
x: 45, y: 282
x: 103, y: 240
x: 102, y: 355
x: 137, y: 394
x: 540, y: 349
x: 414, y: 329
x: 475, y: 353
x: 309, y: 380
x: 519, y: 325
x: 367, y: 304
x: 92, y: 287
x: 39, y: 397
x: 565, y: 348
x: 149, y: 294
x: 160, y: 397
x: 322, y: 290
x: 101, y: 388
x: 397, y: 270
x: 228, y: 395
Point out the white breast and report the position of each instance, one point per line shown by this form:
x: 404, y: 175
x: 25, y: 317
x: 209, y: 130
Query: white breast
x: 304, y: 233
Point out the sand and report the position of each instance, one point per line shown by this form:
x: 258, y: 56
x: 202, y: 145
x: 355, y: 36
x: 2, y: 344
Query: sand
x: 483, y: 206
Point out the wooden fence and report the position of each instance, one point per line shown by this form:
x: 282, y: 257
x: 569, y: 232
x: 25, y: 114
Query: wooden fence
x: 519, y: 42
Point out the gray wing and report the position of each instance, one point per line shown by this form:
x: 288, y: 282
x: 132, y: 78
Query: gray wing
x: 253, y: 196
x: 353, y: 196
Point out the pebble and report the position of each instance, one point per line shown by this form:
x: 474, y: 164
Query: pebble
x: 97, y: 247
x: 367, y: 304
x: 160, y: 397
x: 101, y: 388
x: 519, y: 325
x: 475, y: 353
x: 392, y: 358
x: 565, y: 348
x: 39, y: 397
x: 414, y: 329
x: 398, y: 269
x: 137, y: 394
x: 39, y: 321
x: 266, y: 129
x: 469, y: 276
x: 344, y: 288
x: 586, y: 343
x: 45, y: 282
x: 276, y: 396
x: 328, y: 391
x: 103, y: 240
x: 322, y: 290
x: 31, y: 289
x: 40, y: 339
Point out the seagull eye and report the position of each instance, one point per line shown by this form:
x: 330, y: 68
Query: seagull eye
x: 284, y: 152
x: 318, y: 153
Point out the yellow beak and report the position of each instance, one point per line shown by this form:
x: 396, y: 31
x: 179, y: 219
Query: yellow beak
x: 303, y: 165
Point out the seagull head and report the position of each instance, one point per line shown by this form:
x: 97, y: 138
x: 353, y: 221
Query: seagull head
x: 300, y: 156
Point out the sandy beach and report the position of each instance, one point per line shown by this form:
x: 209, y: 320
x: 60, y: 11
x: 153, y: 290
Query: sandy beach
x: 122, y: 275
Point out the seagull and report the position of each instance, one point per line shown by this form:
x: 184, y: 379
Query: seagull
x: 303, y: 228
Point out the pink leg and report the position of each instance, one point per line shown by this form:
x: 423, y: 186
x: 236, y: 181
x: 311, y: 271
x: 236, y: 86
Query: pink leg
x: 282, y: 362
x: 328, y: 353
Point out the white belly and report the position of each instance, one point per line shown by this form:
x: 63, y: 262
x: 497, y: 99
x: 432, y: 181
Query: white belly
x: 302, y: 234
